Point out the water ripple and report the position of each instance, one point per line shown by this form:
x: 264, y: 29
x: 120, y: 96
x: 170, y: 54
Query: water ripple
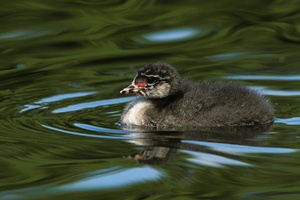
x: 270, y: 92
x: 241, y: 149
x: 87, y: 134
x: 289, y: 121
x: 62, y: 97
x: 212, y: 160
x: 93, y: 104
x: 43, y: 102
x: 263, y: 77
x: 172, y: 35
x: 109, y: 180
x: 123, y: 178
x: 100, y: 129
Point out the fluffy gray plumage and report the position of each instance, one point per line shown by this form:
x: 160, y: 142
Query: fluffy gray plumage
x: 189, y: 104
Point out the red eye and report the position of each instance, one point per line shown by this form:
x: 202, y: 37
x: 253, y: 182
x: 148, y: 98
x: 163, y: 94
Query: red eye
x: 141, y: 84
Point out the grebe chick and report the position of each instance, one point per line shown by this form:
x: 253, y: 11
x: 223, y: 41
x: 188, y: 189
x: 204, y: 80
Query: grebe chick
x: 166, y: 100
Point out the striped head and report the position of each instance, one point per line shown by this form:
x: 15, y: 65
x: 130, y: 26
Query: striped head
x: 157, y: 80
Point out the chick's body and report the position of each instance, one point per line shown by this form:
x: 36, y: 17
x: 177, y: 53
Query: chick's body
x: 173, y: 102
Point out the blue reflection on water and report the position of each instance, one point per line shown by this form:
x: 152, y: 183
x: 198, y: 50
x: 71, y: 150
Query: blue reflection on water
x: 172, y: 35
x: 110, y: 180
x: 92, y: 104
x: 262, y: 77
x: 114, y: 180
x: 266, y: 91
x: 23, y: 34
x: 281, y: 93
x: 61, y: 97
x: 212, y: 160
x: 101, y: 129
x: 240, y: 149
x: 289, y: 121
x: 226, y: 56
x: 71, y: 108
x: 92, y: 135
x: 41, y: 103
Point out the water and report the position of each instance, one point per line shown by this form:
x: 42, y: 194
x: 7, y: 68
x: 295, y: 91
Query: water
x: 64, y: 63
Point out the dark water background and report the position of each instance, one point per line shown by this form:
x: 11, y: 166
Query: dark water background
x: 64, y: 62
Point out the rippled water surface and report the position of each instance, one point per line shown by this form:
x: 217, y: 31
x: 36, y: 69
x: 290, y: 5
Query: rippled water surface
x: 63, y: 64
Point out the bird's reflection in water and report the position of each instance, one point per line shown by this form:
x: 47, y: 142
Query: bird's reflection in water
x: 160, y: 147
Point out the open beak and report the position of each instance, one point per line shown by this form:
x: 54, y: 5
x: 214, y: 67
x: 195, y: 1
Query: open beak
x: 132, y: 88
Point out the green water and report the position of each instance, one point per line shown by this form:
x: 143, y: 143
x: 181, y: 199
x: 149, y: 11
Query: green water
x: 63, y: 63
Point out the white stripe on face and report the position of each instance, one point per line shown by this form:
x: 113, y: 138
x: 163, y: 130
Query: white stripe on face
x: 155, y: 76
